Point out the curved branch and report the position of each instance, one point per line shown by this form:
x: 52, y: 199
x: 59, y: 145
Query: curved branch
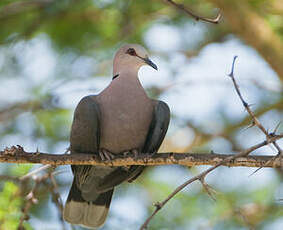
x: 192, y: 14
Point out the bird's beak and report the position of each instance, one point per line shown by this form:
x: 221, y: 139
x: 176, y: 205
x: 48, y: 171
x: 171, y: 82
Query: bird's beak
x: 149, y: 62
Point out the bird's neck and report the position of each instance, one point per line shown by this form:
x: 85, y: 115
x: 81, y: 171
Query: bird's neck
x: 127, y: 76
x: 126, y: 81
x: 132, y: 70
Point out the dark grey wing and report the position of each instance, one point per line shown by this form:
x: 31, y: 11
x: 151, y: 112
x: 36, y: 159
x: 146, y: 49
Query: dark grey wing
x: 155, y: 136
x: 157, y: 131
x: 85, y: 138
x: 158, y: 127
x: 85, y: 133
x: 84, y: 204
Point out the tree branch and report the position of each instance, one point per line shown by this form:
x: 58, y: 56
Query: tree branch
x: 192, y: 14
x: 19, y: 7
x: 256, y: 122
x: 201, y: 177
x: 246, y: 22
x: 244, y: 153
x: 18, y: 155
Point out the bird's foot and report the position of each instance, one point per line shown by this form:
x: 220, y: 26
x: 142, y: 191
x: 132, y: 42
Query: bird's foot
x: 133, y: 152
x: 105, y: 155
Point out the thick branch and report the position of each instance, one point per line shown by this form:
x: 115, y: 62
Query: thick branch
x: 18, y: 155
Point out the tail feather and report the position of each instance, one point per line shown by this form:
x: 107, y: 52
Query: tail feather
x: 90, y: 214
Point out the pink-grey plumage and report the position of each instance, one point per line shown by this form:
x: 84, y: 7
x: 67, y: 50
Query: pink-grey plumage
x: 121, y: 118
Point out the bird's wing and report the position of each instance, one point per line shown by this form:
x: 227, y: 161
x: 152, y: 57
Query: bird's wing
x: 158, y: 127
x: 85, y: 138
x: 84, y: 205
x: 85, y: 134
x: 157, y: 131
x: 155, y: 136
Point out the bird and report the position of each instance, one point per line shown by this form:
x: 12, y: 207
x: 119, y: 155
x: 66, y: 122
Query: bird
x: 121, y: 119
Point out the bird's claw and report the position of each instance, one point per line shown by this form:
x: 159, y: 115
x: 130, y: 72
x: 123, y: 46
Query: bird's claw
x: 105, y: 155
x: 133, y: 152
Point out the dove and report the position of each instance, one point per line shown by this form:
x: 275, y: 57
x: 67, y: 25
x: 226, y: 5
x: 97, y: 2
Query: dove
x: 120, y: 119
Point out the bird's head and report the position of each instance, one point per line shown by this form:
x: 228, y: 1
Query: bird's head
x: 131, y: 56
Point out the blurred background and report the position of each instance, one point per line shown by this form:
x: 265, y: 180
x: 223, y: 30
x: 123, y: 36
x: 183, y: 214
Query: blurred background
x: 52, y: 53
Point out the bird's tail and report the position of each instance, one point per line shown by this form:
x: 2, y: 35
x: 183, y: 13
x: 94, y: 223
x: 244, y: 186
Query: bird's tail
x: 90, y: 214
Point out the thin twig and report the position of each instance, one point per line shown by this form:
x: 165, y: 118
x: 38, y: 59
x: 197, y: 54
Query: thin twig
x: 200, y: 177
x: 192, y: 14
x: 31, y: 199
x: 256, y: 122
x: 19, y: 7
x: 34, y: 172
x: 209, y: 190
x: 10, y: 178
x: 56, y: 198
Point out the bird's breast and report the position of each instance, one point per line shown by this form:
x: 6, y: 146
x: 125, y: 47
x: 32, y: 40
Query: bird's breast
x: 125, y: 122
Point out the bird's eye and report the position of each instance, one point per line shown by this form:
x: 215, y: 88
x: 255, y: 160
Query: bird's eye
x: 131, y: 51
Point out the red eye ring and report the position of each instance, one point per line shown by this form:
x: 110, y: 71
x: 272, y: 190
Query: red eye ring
x: 132, y: 52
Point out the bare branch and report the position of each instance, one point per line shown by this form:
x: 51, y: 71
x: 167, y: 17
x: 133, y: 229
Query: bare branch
x: 14, y: 110
x: 199, y: 177
x: 47, y: 180
x: 192, y: 14
x: 251, y: 113
x: 10, y: 178
x: 56, y: 198
x: 247, y: 23
x: 19, y: 7
x: 32, y: 173
x: 244, y: 153
x: 18, y: 155
x: 31, y: 199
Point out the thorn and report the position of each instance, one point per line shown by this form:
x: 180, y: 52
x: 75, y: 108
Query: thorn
x: 67, y: 150
x: 245, y: 104
x: 233, y: 65
x: 208, y: 188
x: 255, y: 172
x: 249, y: 126
x: 37, y: 151
x: 157, y: 205
x: 277, y: 127
x: 20, y: 148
